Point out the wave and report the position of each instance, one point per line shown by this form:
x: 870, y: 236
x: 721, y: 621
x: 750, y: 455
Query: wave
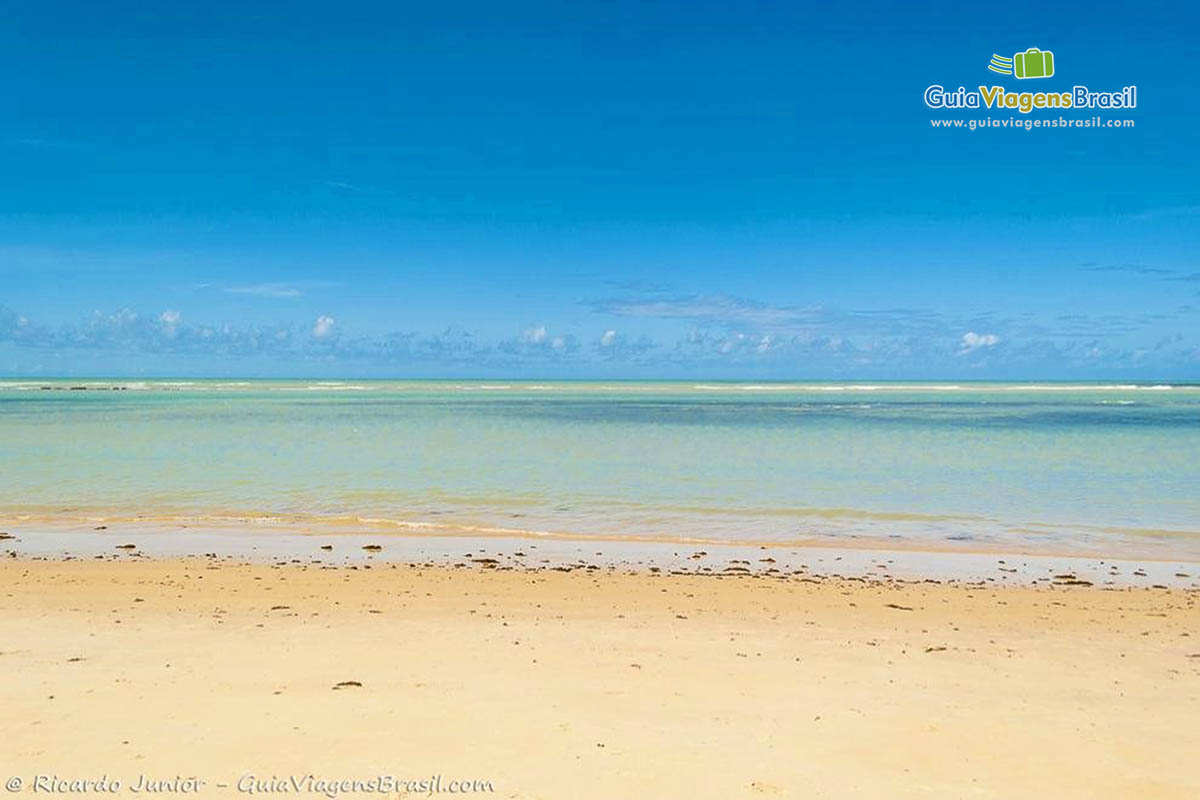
x: 674, y: 523
x: 577, y: 387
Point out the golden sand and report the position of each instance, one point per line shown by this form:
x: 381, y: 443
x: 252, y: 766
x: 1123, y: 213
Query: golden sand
x: 594, y: 684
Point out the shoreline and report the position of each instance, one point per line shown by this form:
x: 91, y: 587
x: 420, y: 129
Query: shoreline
x: 864, y: 559
x: 595, y: 683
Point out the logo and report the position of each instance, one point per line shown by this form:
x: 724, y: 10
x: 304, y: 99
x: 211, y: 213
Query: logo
x: 1033, y: 63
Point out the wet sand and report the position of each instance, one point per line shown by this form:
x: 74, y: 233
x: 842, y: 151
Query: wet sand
x: 864, y: 557
x: 596, y: 682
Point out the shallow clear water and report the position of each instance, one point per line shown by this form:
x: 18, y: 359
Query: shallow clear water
x: 1054, y: 465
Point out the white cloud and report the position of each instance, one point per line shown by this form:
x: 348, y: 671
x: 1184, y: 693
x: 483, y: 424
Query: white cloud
x: 534, y: 335
x: 323, y: 326
x: 972, y: 341
x: 170, y: 320
x: 721, y: 309
x: 278, y: 290
x: 608, y: 338
x: 123, y: 318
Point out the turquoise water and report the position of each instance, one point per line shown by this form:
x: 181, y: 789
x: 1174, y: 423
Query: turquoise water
x: 1050, y: 466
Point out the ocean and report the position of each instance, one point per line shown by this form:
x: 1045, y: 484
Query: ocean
x: 1089, y: 468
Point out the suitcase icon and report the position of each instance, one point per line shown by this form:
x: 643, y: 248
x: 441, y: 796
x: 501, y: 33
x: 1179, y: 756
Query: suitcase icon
x: 1033, y: 63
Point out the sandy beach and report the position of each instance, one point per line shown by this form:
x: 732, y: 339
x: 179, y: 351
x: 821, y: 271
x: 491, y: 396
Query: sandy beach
x: 588, y: 683
x: 599, y: 401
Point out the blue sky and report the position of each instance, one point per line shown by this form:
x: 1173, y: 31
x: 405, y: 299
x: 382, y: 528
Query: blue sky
x: 591, y: 190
